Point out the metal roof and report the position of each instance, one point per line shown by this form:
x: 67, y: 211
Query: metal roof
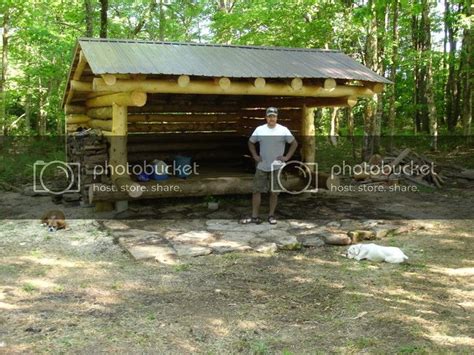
x: 109, y: 56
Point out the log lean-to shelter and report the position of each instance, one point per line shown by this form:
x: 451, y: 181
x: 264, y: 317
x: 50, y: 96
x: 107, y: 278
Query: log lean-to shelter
x: 150, y: 100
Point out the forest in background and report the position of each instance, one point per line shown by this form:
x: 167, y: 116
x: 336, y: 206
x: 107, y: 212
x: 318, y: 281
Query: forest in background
x: 424, y: 47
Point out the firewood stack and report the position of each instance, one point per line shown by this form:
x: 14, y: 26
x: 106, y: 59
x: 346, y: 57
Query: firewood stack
x: 89, y: 149
x: 406, y: 165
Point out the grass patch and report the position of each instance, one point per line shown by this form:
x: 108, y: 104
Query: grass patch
x: 28, y: 287
x: 182, y: 267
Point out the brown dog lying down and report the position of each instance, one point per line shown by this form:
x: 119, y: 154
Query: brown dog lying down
x: 54, y: 220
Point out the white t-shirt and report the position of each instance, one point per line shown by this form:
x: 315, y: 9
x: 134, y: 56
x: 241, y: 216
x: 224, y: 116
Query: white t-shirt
x: 272, y: 144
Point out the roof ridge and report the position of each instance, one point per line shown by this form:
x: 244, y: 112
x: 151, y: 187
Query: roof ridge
x: 288, y: 49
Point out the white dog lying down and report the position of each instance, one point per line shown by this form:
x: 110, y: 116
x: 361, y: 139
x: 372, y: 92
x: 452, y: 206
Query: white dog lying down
x: 376, y: 252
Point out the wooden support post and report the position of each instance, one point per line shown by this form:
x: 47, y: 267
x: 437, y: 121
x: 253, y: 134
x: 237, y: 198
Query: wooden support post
x: 308, y: 149
x: 118, y: 152
x: 183, y: 81
x: 351, y: 101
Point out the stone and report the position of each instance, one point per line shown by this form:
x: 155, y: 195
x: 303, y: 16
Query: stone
x: 72, y: 196
x: 162, y: 253
x: 382, y: 232
x: 312, y: 241
x: 227, y: 246
x: 337, y: 239
x: 185, y: 250
x: 114, y: 225
x: 266, y: 248
x: 369, y: 224
x: 288, y: 242
x: 195, y: 237
x: 274, y: 234
x: 360, y: 235
x: 298, y: 224
x: 334, y: 224
x: 243, y: 237
x: 231, y: 225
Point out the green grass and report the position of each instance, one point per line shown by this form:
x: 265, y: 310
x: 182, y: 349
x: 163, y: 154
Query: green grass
x: 28, y: 287
x: 182, y: 267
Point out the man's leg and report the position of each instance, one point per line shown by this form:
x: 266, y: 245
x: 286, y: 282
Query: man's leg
x: 273, y: 203
x: 256, y: 199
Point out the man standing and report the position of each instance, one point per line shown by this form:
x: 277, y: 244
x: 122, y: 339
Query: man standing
x: 272, y: 138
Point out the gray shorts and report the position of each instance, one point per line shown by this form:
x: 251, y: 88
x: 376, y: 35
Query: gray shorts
x: 262, y: 181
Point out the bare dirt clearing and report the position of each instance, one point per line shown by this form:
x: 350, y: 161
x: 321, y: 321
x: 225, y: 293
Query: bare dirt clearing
x: 77, y: 291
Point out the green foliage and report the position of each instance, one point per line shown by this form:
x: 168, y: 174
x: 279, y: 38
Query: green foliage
x: 43, y: 33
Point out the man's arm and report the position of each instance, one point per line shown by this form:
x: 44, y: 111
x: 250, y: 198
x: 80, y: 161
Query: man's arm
x: 253, y: 151
x: 291, y: 151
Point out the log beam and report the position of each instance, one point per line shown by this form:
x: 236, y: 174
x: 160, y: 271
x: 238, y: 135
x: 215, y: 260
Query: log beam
x: 330, y: 84
x: 77, y: 118
x: 204, y: 87
x: 101, y: 124
x: 237, y: 88
x: 296, y: 84
x: 101, y: 113
x: 82, y: 86
x: 81, y: 64
x: 194, y: 186
x: 134, y: 98
x: 377, y: 88
x: 73, y: 109
x: 109, y: 79
x: 183, y: 81
x: 259, y: 83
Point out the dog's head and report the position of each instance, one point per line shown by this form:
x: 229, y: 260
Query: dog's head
x: 353, y: 251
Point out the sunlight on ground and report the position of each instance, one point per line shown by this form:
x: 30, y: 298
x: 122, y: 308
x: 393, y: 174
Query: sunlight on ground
x: 459, y: 272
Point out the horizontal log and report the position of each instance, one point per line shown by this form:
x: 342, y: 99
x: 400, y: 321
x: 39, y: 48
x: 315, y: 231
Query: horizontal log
x: 100, y: 112
x: 101, y: 124
x: 198, y: 156
x: 134, y: 98
x: 184, y: 107
x: 290, y: 102
x: 82, y: 86
x: 72, y: 109
x: 294, y: 113
x: 109, y: 79
x: 329, y: 84
x: 132, y: 188
x: 179, y: 146
x: 77, y: 118
x: 259, y: 83
x: 182, y: 118
x: 193, y: 186
x: 327, y: 181
x: 205, y: 87
x: 138, y: 138
x: 180, y: 127
x: 377, y: 88
x: 296, y: 83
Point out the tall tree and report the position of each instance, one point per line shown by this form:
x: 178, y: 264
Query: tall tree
x: 433, y: 119
x: 89, y: 17
x: 3, y: 77
x: 104, y: 7
x: 467, y: 55
x: 393, y: 71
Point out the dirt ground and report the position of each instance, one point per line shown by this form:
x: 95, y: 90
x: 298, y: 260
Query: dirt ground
x: 76, y: 291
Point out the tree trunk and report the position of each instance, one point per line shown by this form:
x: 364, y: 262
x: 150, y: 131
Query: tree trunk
x: 162, y: 21
x: 3, y: 78
x: 393, y: 73
x: 89, y: 17
x: 433, y: 120
x: 104, y: 6
x: 466, y: 75
x: 451, y: 86
x: 334, y: 127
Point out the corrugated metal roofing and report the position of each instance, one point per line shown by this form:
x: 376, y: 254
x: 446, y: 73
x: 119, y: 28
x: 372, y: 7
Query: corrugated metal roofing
x: 108, y: 56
